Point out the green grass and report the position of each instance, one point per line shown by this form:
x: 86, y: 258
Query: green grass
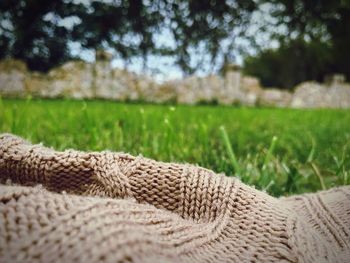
x: 282, y: 151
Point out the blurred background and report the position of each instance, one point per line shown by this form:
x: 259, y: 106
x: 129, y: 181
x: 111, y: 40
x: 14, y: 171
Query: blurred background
x: 253, y: 88
x: 282, y: 42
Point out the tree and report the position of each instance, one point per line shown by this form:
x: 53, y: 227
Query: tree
x: 315, y: 42
x: 204, y: 26
x: 292, y: 63
x: 40, y: 32
x: 27, y: 35
x: 322, y: 19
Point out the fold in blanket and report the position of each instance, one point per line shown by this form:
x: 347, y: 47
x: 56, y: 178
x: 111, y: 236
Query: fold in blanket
x: 113, y: 207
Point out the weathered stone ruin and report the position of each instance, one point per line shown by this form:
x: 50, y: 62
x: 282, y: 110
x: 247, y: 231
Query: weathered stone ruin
x: 334, y: 94
x: 80, y: 80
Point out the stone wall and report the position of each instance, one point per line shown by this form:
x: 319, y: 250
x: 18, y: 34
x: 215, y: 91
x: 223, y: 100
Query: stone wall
x: 316, y: 95
x: 77, y: 79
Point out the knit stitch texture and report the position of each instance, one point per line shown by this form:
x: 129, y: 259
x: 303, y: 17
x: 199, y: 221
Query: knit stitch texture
x: 114, y: 207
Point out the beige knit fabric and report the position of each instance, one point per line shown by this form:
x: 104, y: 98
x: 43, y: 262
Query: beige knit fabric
x: 113, y: 207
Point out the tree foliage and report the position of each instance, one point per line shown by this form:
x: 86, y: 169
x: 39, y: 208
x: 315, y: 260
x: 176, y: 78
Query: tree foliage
x: 315, y: 43
x: 40, y: 32
x: 293, y: 62
x: 25, y: 34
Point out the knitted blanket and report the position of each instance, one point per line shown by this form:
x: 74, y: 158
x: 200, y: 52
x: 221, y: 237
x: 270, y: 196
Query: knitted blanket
x: 114, y: 207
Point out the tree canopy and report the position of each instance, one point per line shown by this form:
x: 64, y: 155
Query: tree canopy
x: 314, y: 43
x: 314, y: 39
x: 40, y: 32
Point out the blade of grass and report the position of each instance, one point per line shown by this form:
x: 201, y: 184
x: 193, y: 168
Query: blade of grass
x: 267, y: 187
x: 310, y: 158
x: 317, y: 172
x: 230, y: 151
x: 270, y: 151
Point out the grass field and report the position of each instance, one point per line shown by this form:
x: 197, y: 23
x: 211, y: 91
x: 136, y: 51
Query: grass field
x: 281, y: 151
